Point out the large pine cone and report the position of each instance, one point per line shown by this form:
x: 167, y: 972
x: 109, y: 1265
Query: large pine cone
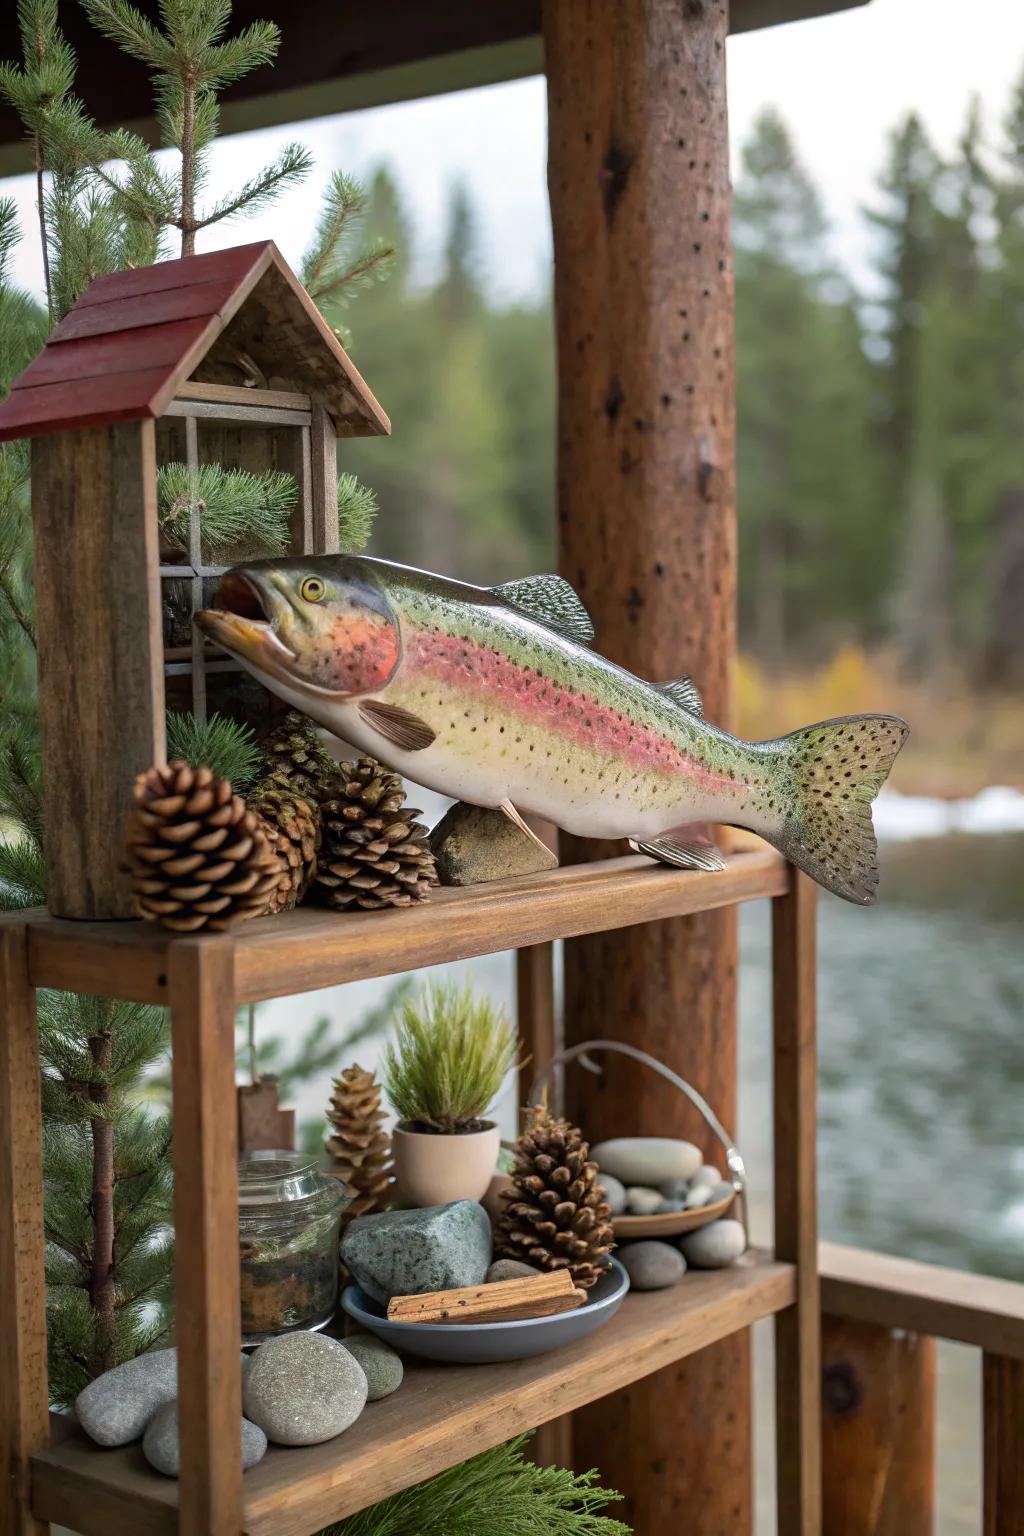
x: 361, y: 1149
x: 374, y: 852
x: 197, y: 857
x: 556, y: 1216
x: 292, y: 826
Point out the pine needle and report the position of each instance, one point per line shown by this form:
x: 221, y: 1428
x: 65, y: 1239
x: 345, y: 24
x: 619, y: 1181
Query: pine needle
x: 225, y: 746
x: 498, y: 1493
x: 451, y: 1053
x: 237, y: 509
x: 357, y: 513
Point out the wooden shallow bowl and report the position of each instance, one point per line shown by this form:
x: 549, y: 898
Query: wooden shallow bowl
x: 669, y: 1223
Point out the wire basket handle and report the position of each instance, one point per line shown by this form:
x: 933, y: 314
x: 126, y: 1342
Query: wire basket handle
x: 581, y: 1053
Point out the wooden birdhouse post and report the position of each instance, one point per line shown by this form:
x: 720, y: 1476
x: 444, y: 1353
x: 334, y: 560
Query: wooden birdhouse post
x: 221, y: 359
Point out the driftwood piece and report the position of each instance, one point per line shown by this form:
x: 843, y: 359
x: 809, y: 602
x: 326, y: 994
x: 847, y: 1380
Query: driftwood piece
x: 503, y: 1301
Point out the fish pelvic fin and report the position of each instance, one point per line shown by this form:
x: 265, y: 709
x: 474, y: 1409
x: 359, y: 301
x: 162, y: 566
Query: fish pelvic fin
x: 836, y: 769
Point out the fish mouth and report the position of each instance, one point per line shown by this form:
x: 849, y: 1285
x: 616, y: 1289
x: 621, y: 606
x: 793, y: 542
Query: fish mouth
x: 245, y: 621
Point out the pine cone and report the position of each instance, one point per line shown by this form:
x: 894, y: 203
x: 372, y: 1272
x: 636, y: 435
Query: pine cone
x: 556, y: 1216
x: 292, y: 827
x: 196, y: 856
x: 293, y: 755
x: 360, y: 1148
x: 374, y: 851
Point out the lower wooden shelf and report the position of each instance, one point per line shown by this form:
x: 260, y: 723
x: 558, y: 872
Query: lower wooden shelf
x: 439, y: 1416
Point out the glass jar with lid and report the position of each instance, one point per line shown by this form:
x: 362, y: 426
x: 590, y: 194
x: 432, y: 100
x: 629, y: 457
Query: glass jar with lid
x: 288, y: 1222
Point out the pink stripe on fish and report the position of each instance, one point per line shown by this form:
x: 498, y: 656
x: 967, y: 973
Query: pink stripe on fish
x: 462, y: 664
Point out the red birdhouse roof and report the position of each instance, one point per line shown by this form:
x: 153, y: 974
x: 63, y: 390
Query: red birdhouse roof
x: 135, y: 337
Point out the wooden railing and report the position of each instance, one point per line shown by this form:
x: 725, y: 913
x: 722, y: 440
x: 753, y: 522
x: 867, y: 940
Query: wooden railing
x: 881, y: 1318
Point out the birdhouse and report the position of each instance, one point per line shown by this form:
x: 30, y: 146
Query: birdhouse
x: 216, y: 359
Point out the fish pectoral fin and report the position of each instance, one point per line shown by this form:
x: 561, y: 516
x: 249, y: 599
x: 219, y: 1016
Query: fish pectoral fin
x: 514, y: 817
x: 684, y: 692
x: 399, y: 726
x: 698, y: 853
x: 551, y: 601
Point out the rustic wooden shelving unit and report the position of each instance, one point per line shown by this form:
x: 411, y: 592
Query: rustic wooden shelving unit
x: 442, y: 1414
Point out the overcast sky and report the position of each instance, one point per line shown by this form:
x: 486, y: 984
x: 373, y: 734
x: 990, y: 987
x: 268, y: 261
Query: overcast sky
x: 841, y: 82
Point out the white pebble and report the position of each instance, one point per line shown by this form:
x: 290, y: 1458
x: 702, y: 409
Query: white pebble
x: 614, y: 1193
x: 646, y: 1159
x: 707, y: 1173
x: 642, y: 1201
x: 699, y: 1195
x: 714, y: 1246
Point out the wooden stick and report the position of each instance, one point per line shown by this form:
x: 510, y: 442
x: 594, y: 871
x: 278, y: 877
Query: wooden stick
x: 503, y: 1301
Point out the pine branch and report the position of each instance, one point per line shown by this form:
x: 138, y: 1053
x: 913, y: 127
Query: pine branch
x: 498, y: 1493
x: 235, y: 507
x: 225, y: 746
x: 292, y: 165
x: 357, y: 513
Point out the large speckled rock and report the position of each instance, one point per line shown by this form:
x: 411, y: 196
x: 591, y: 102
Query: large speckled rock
x: 652, y: 1266
x: 116, y: 1407
x: 382, y: 1367
x: 714, y: 1246
x: 647, y: 1159
x: 162, y: 1449
x: 434, y: 1248
x: 303, y: 1388
x: 472, y: 845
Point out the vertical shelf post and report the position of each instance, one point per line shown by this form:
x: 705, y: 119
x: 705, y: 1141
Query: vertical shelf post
x: 24, y: 1417
x: 206, y: 1272
x: 798, y: 1328
x: 1002, y: 1392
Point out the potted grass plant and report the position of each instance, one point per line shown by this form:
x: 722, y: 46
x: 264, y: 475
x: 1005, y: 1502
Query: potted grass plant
x: 442, y: 1072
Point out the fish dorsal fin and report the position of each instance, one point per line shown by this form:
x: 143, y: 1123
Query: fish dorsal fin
x: 684, y: 691
x: 549, y: 600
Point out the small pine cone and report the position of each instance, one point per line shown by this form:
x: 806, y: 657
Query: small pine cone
x: 292, y: 826
x: 360, y: 1148
x: 556, y: 1216
x: 374, y: 851
x: 197, y: 857
x: 293, y: 754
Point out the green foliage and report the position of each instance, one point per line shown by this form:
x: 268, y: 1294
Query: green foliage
x: 93, y: 1051
x: 224, y: 745
x: 237, y: 510
x: 357, y: 513
x: 339, y: 262
x: 191, y: 61
x: 498, y: 1493
x: 451, y: 1053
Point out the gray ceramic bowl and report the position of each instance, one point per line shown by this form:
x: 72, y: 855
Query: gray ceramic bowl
x: 487, y: 1343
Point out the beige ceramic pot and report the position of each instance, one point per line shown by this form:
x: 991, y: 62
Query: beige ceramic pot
x: 434, y: 1170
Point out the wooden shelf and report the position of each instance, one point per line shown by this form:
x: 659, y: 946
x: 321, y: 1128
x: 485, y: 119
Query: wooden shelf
x: 439, y: 1416
x: 300, y: 951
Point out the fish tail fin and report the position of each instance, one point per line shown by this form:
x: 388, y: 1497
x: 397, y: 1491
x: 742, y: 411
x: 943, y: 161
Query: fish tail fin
x: 836, y: 769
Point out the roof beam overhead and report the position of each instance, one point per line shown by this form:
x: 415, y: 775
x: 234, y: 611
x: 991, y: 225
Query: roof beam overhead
x: 340, y: 59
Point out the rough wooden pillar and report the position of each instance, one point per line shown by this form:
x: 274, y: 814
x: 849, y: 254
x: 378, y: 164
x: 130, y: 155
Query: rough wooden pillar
x: 1003, y: 1445
x: 101, y: 680
x: 24, y: 1419
x: 878, y: 1431
x: 206, y: 1271
x: 639, y: 185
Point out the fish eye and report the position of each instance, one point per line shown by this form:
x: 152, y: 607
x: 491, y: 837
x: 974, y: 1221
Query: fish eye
x: 312, y: 589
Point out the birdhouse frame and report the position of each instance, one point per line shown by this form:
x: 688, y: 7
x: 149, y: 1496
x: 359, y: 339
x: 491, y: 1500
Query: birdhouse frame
x: 221, y: 358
